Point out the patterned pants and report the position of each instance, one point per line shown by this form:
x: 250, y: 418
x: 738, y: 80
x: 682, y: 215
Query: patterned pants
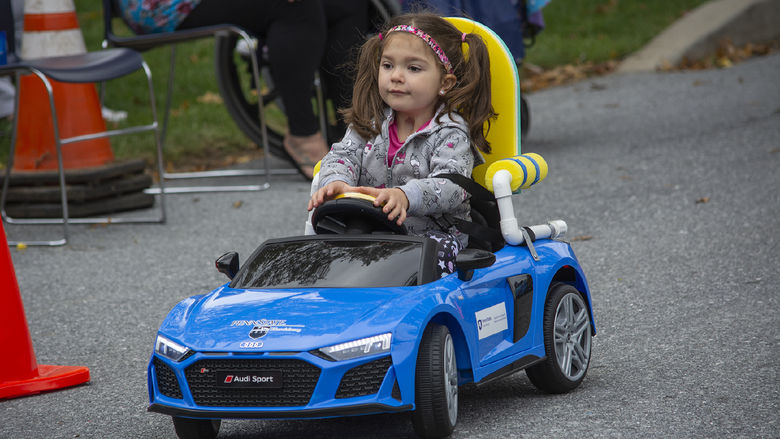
x: 447, y: 248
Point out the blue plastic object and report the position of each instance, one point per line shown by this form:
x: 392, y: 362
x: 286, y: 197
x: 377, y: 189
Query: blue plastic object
x: 300, y: 347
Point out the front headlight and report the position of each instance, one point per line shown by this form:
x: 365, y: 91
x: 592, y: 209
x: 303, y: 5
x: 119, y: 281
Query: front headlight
x: 359, y: 348
x: 170, y: 349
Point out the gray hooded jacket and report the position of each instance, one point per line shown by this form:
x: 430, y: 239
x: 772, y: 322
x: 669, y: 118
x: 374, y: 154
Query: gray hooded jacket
x: 440, y: 148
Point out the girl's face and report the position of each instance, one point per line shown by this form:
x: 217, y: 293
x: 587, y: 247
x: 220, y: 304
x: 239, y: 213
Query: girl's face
x: 410, y: 76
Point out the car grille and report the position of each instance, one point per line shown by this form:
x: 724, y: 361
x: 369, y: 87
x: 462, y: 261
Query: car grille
x: 166, y: 380
x: 300, y: 378
x: 364, y: 379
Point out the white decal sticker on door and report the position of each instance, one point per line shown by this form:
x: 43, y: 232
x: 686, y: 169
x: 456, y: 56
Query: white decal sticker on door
x: 491, y: 320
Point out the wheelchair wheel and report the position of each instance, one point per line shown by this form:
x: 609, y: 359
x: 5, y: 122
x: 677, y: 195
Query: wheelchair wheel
x: 240, y: 94
x: 525, y: 118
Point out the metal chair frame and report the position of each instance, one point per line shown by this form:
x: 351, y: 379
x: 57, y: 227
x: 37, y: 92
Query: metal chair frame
x: 38, y: 68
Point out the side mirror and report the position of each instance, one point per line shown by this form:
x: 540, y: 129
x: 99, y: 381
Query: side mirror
x: 469, y: 259
x: 228, y: 264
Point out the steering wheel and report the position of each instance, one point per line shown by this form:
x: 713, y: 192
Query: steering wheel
x: 353, y: 213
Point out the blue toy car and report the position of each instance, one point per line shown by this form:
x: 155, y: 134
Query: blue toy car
x: 356, y: 320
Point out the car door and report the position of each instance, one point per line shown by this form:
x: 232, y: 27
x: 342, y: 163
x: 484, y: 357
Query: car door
x: 497, y: 309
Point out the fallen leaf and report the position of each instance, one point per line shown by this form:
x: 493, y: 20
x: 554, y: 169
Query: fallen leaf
x: 703, y: 200
x: 238, y: 204
x: 724, y: 62
x: 582, y: 238
x: 210, y: 98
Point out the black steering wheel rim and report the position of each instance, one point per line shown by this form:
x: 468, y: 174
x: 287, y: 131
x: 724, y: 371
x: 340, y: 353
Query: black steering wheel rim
x: 353, y: 214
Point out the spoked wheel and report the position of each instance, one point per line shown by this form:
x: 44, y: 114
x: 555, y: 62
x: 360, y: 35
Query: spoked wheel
x: 240, y: 94
x: 436, y: 384
x: 187, y: 428
x: 567, y: 341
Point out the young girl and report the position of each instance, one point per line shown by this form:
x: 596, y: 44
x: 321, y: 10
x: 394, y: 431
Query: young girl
x: 421, y: 97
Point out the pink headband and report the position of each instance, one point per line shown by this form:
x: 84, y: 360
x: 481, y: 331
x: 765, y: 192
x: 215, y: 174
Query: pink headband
x: 428, y: 40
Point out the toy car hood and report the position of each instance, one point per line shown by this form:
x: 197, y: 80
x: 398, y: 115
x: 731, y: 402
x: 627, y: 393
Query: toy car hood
x: 282, y: 320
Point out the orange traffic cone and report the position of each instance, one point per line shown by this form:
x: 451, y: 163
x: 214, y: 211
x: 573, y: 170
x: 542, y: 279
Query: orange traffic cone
x: 51, y: 29
x: 20, y: 374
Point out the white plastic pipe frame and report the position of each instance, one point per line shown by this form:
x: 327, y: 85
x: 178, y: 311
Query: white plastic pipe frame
x: 511, y: 231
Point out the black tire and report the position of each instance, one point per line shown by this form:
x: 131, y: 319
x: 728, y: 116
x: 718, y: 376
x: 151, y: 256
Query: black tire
x: 187, y: 428
x: 568, y: 351
x: 436, y: 384
x: 239, y: 99
x: 525, y: 118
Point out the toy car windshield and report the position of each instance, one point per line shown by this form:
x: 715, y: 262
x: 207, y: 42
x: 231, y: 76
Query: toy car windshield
x: 366, y: 262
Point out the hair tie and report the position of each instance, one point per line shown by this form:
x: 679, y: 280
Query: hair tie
x: 463, y: 38
x: 428, y: 40
x: 380, y: 36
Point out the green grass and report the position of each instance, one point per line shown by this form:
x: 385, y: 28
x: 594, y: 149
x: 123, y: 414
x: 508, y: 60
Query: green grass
x: 576, y: 31
x: 579, y: 31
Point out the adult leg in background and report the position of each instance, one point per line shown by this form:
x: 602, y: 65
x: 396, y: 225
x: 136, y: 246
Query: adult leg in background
x: 347, y: 24
x: 294, y: 33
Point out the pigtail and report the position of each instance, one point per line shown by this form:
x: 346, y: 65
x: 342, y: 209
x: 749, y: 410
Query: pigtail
x: 471, y: 95
x: 367, y: 106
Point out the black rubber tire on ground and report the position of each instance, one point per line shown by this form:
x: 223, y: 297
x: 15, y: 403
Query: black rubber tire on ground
x: 436, y: 384
x: 187, y: 428
x: 568, y: 351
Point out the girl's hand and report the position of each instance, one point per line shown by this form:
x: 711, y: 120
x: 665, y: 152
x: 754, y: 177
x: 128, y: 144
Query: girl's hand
x: 393, y: 199
x: 328, y: 192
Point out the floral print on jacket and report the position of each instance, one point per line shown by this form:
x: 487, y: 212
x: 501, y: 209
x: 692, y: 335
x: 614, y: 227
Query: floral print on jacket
x: 443, y: 147
x: 151, y: 16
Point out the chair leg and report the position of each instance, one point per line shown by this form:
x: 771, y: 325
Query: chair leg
x: 267, y: 172
x: 60, y: 168
x: 157, y: 140
x: 321, y: 105
x: 60, y: 143
x: 169, y: 94
x: 260, y: 109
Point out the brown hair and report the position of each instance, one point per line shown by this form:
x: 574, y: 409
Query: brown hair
x: 469, y: 97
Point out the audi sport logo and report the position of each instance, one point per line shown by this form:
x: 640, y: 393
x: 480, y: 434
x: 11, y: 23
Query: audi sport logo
x: 248, y: 379
x: 268, y: 379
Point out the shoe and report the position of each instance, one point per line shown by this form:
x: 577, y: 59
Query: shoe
x: 304, y: 152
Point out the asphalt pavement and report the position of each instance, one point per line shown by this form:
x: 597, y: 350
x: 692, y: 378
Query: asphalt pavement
x: 669, y: 183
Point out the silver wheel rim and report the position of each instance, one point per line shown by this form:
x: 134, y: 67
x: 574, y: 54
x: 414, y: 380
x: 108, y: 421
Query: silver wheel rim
x: 450, y: 379
x: 572, y: 336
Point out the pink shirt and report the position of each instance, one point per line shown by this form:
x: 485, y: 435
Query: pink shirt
x: 394, y: 143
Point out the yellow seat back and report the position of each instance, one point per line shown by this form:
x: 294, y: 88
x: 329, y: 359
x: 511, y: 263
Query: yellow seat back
x: 504, y: 135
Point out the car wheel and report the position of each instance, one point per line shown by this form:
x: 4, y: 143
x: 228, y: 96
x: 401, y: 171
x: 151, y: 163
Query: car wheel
x: 187, y: 428
x: 567, y: 340
x: 436, y: 384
